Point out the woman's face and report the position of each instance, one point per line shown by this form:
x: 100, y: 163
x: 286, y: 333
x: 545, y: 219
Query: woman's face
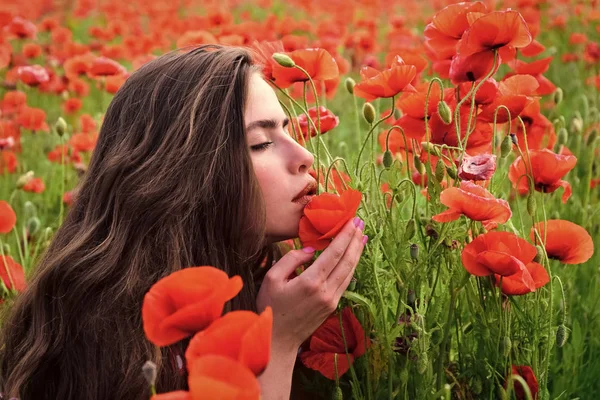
x: 281, y: 165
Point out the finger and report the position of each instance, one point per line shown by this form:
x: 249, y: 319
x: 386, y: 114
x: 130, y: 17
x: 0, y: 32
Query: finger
x: 326, y: 262
x: 345, y: 268
x: 283, y: 268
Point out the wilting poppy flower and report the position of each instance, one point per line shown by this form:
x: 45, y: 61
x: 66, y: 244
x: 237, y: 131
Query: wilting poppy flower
x: 475, y: 203
x: 11, y: 273
x: 547, y: 167
x: 477, y: 168
x: 33, y: 75
x: 103, y: 66
x: 325, y: 216
x: 326, y: 121
x: 8, y: 218
x: 240, y: 335
x: 527, y: 374
x: 508, y: 258
x: 318, y: 63
x: 219, y: 377
x: 186, y: 302
x: 565, y: 241
x: 387, y: 83
x: 35, y: 185
x: 327, y: 344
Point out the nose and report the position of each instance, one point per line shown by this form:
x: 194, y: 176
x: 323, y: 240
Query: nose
x: 301, y: 159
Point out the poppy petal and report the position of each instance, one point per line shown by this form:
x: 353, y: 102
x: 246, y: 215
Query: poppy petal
x: 565, y: 241
x: 218, y: 377
x: 8, y: 218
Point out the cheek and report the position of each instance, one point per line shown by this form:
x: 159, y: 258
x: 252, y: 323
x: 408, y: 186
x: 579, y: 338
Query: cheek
x: 269, y: 181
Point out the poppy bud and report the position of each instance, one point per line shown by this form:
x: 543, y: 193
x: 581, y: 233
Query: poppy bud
x: 577, y: 125
x: 505, y: 346
x: 430, y: 148
x: 531, y: 204
x: 422, y: 363
x: 6, y: 249
x: 60, y: 126
x: 561, y: 335
x: 558, y: 96
x: 284, y: 60
x: 149, y: 371
x: 352, y: 285
x: 451, y: 172
x: 445, y: 112
x: 539, y: 256
x: 502, y: 395
x: 338, y: 394
x: 440, y: 170
x: 23, y: 179
x: 414, y: 251
x: 350, y: 85
x: 513, y: 139
x: 419, y: 165
x: 563, y: 136
x: 404, y: 375
x: 29, y: 210
x: 369, y: 112
x: 33, y: 225
x: 476, y: 385
x: 409, y: 232
x: 592, y: 137
x: 387, y: 159
x: 411, y: 298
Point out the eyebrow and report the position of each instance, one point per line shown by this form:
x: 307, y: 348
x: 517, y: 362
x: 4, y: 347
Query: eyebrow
x: 266, y: 124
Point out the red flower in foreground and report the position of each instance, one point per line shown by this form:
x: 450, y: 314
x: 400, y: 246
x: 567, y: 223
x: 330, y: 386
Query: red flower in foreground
x: 33, y: 75
x: 186, y: 302
x: 327, y: 344
x: 338, y: 181
x: 565, y: 241
x: 527, y: 374
x: 240, y: 335
x: 477, y: 168
x: 11, y: 273
x: 387, y: 83
x: 218, y: 377
x: 8, y: 218
x: 509, y: 258
x: 547, y: 168
x: 475, y: 203
x: 326, y: 121
x: 318, y: 63
x: 325, y: 216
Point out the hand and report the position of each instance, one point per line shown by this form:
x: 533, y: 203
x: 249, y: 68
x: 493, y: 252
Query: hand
x: 300, y: 305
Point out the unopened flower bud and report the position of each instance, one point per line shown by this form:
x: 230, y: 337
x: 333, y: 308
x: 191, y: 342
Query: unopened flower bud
x: 23, y: 179
x: 451, y: 172
x: 558, y: 96
x: 338, y: 394
x: 369, y: 112
x: 33, y: 225
x: 149, y: 371
x: 440, y: 170
x: 388, y: 159
x: 60, y: 126
x: 513, y: 139
x: 418, y: 164
x: 531, y: 204
x: 414, y: 251
x: 422, y: 363
x: 577, y: 125
x: 350, y: 83
x: 592, y: 137
x: 410, y: 229
x: 352, y: 286
x: 430, y: 148
x: 539, y: 255
x: 562, y: 334
x: 284, y: 60
x: 29, y: 210
x: 445, y: 112
x: 563, y: 136
x: 505, y: 346
x: 505, y: 147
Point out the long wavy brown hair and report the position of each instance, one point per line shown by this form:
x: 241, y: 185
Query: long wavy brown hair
x: 170, y: 185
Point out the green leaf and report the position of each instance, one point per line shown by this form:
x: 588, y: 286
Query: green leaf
x: 359, y: 299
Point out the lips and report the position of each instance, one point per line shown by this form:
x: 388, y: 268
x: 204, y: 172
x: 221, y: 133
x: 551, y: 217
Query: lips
x: 306, y: 194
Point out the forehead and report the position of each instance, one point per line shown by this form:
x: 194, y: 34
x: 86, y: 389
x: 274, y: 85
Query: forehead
x: 262, y: 103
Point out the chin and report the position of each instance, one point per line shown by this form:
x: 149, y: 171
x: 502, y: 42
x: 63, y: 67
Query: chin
x: 281, y: 235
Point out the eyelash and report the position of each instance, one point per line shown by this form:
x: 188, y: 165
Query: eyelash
x: 261, y: 147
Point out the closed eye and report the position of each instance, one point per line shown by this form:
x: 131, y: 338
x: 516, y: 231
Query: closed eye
x: 262, y: 146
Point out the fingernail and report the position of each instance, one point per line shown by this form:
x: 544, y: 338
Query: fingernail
x: 356, y: 221
x: 361, y: 226
x: 308, y: 250
x: 365, y: 238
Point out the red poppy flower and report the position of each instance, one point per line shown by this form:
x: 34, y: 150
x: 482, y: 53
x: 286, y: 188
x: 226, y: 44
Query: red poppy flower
x: 480, y: 139
x: 326, y: 121
x: 21, y: 28
x: 472, y: 67
x: 8, y: 218
x: 515, y: 94
x: 240, y: 335
x: 565, y: 241
x: 508, y: 258
x: 219, y: 377
x: 540, y: 131
x: 325, y: 216
x: 318, y: 63
x: 186, y: 302
x: 34, y: 185
x: 13, y: 101
x: 33, y: 75
x: 327, y: 344
x: 8, y: 162
x: 527, y: 374
x: 72, y: 105
x: 103, y: 66
x: 32, y: 50
x: 536, y: 69
x: 338, y: 181
x: 475, y: 203
x: 387, y: 83
x: 477, y: 168
x: 82, y: 142
x: 11, y: 273
x: 547, y: 168
x: 263, y: 56
x: 33, y: 118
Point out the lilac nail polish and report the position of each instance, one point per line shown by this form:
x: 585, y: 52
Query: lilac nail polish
x: 361, y: 225
x: 308, y: 250
x: 365, y: 239
x: 356, y: 221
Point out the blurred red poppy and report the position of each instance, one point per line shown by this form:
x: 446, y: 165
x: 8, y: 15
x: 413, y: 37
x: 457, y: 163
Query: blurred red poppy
x: 263, y: 56
x: 325, y: 216
x: 34, y: 185
x: 8, y: 218
x: 387, y: 83
x: 536, y: 69
x: 318, y: 63
x: 186, y: 302
x: 547, y: 168
x: 240, y: 335
x: 33, y: 75
x: 103, y: 66
x: 475, y: 203
x: 83, y: 142
x: 526, y: 372
x: 33, y: 119
x: 327, y: 344
x: 11, y: 273
x: 21, y: 28
x: 8, y: 162
x: 565, y: 241
x: 326, y: 121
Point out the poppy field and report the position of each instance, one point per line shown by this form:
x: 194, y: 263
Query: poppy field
x: 464, y: 135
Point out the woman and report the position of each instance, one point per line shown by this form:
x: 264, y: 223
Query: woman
x: 193, y: 166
